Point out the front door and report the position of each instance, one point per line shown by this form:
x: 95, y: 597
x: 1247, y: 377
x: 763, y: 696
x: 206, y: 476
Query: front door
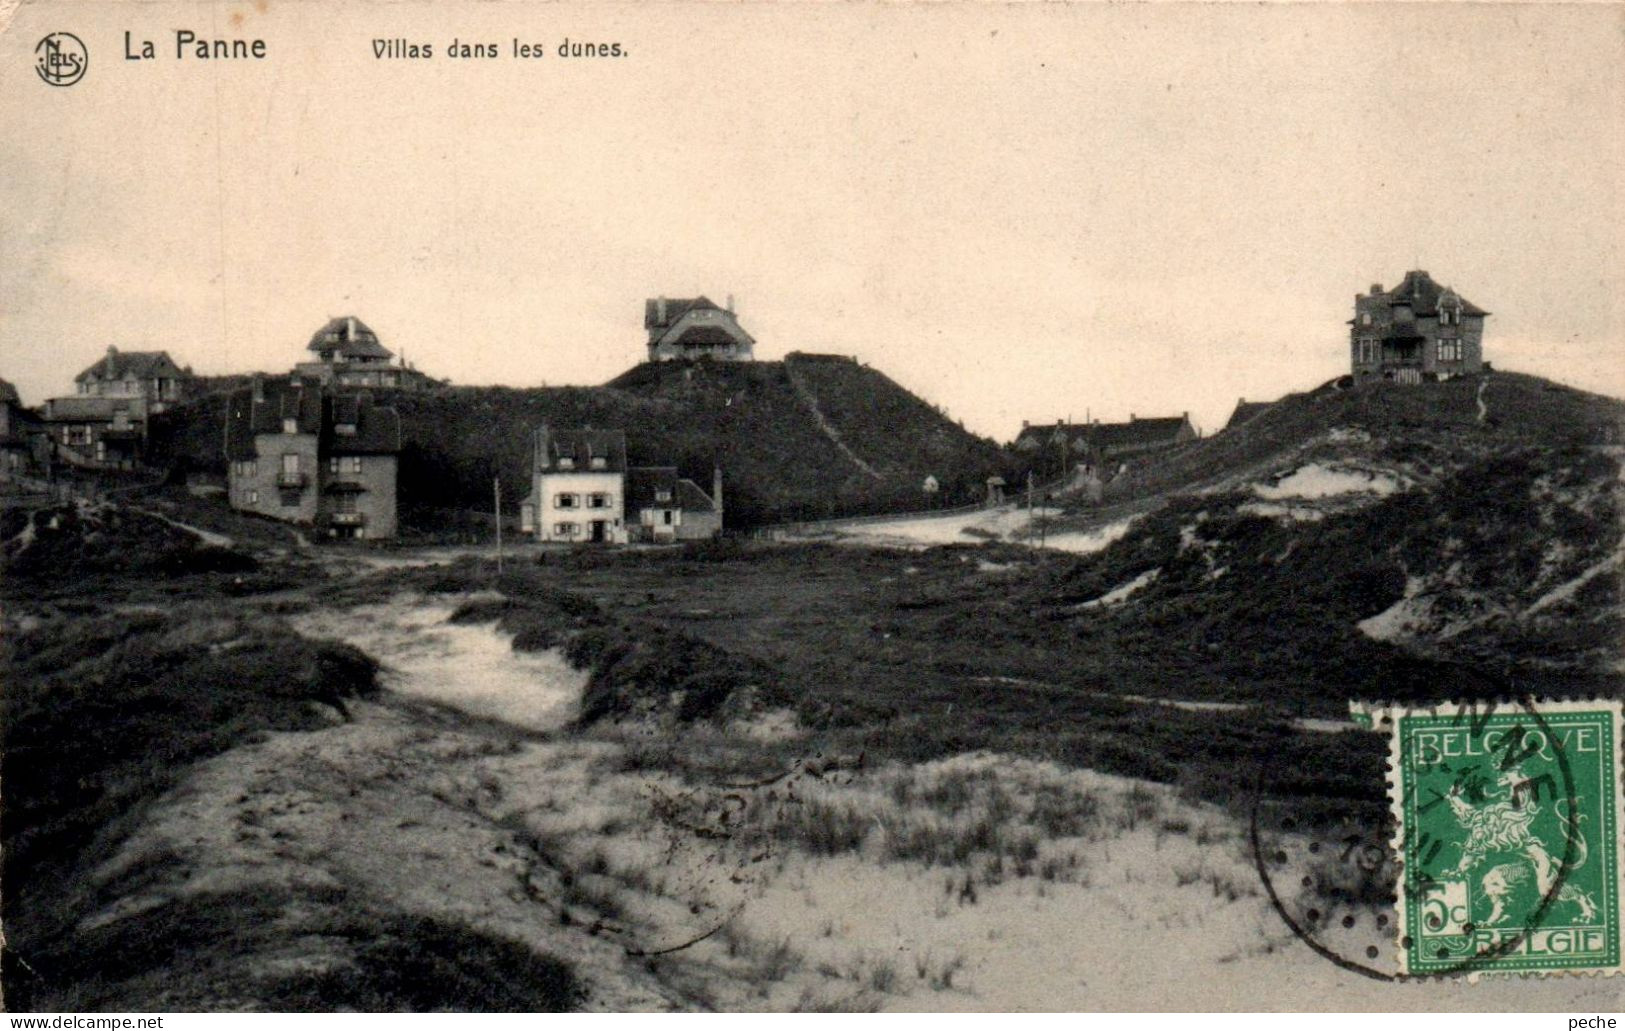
x: 599, y: 531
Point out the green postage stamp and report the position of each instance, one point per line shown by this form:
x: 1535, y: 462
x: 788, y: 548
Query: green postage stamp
x: 1508, y: 823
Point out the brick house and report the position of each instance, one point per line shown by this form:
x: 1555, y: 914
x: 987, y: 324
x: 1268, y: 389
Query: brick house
x: 694, y: 327
x: 578, y: 487
x: 104, y: 423
x: 662, y: 507
x: 348, y: 354
x: 1417, y: 331
x: 303, y: 454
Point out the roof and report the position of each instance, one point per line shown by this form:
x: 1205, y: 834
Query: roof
x: 1134, y: 433
x: 704, y: 336
x: 676, y: 308
x: 377, y: 427
x: 581, y: 446
x: 644, y: 482
x: 349, y: 336
x: 692, y: 499
x: 8, y: 393
x: 118, y: 364
x: 1246, y: 411
x: 1419, y: 290
x: 91, y: 408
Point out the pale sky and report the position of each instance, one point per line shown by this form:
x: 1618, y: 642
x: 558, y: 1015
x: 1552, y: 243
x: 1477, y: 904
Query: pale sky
x: 1017, y: 211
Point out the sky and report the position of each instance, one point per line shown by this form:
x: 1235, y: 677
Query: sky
x: 1019, y: 212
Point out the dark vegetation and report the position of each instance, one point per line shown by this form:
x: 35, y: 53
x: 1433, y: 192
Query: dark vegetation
x: 1437, y: 418
x: 207, y: 952
x: 743, y: 417
x: 68, y: 543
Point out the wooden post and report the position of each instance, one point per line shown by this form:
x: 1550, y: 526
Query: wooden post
x: 496, y: 495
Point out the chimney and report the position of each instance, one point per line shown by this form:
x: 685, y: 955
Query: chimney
x: 660, y: 311
x: 109, y: 363
x: 1376, y: 288
x: 1024, y: 424
x: 716, y: 489
x: 350, y: 324
x: 257, y: 386
x: 730, y: 304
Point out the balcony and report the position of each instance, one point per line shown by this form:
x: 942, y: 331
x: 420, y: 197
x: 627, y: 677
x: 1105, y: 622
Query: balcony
x: 292, y: 480
x: 348, y: 519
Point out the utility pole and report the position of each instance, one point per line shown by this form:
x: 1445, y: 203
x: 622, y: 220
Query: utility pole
x: 1031, y: 512
x: 496, y: 496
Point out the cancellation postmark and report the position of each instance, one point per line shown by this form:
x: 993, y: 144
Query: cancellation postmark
x: 1507, y: 830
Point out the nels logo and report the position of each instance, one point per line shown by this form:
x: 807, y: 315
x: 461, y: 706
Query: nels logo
x: 61, y: 59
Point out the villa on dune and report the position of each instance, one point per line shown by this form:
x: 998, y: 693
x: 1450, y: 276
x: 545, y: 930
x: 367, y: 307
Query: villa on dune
x: 1417, y: 331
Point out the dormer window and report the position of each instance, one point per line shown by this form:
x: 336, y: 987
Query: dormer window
x: 1365, y: 318
x: 662, y: 495
x: 290, y: 425
x: 598, y: 462
x: 344, y: 429
x: 567, y: 463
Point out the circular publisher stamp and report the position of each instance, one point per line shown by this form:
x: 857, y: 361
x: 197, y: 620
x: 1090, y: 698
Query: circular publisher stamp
x: 60, y: 59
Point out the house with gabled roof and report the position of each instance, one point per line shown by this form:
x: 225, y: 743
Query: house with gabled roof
x: 578, y: 486
x: 1417, y: 331
x: 349, y: 354
x: 695, y: 328
x: 583, y: 491
x: 1095, y: 445
x: 662, y: 506
x: 301, y: 453
x: 104, y: 423
x: 1246, y: 411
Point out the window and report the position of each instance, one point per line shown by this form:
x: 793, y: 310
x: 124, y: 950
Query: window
x: 564, y: 501
x: 1450, y: 350
x: 344, y: 464
x: 564, y: 529
x: 662, y: 495
x: 290, y: 463
x: 598, y: 501
x: 253, y: 497
x: 567, y: 463
x: 1365, y: 318
x: 290, y: 425
x: 1368, y: 350
x: 344, y: 503
x: 597, y: 462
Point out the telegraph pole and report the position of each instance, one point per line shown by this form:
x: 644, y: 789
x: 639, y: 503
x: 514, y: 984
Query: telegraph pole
x: 496, y: 496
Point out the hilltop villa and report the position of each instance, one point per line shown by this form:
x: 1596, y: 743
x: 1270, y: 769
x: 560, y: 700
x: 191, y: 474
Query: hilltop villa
x: 303, y: 454
x: 694, y: 327
x: 348, y: 354
x: 105, y: 422
x: 1418, y: 330
x: 583, y: 491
